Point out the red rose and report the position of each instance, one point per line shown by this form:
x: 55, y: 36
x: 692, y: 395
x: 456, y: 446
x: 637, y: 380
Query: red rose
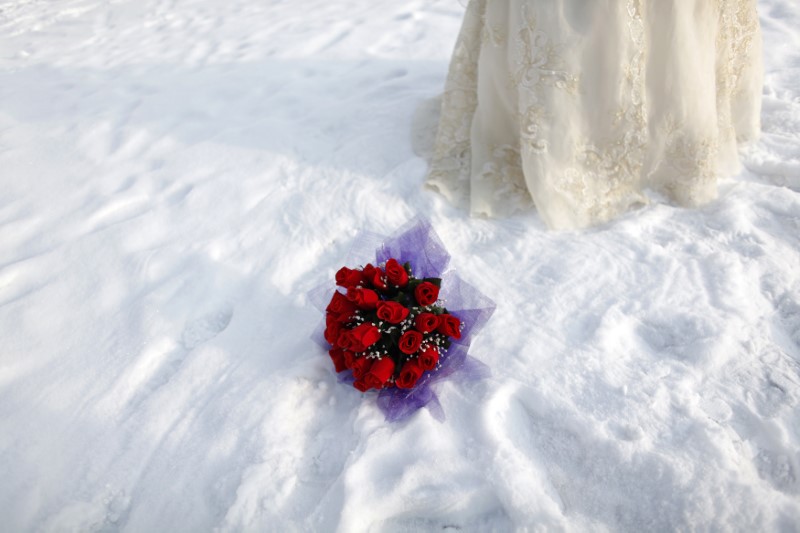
x: 426, y: 293
x: 369, y: 273
x: 392, y: 312
x: 344, y: 318
x: 426, y: 322
x: 380, y: 373
x: 345, y: 339
x: 410, y: 341
x: 347, y: 277
x: 331, y: 318
x: 332, y: 332
x: 379, y: 280
x: 337, y: 356
x: 361, y: 366
x: 349, y: 358
x: 363, y: 336
x: 396, y: 274
x: 409, y: 375
x: 428, y: 358
x: 450, y: 326
x: 361, y: 385
x: 340, y: 305
x: 363, y: 298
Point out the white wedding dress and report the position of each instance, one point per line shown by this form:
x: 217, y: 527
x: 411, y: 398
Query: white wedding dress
x: 578, y: 106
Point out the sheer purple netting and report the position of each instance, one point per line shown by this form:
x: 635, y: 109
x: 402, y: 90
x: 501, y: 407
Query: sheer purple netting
x: 418, y: 243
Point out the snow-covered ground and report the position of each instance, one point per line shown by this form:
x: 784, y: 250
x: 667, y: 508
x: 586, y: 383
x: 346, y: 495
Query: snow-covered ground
x: 175, y: 175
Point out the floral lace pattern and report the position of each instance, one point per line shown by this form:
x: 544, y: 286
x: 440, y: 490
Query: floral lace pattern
x: 504, y: 172
x: 450, y: 167
x: 738, y: 23
x: 603, y: 179
x: 539, y: 64
x: 586, y: 144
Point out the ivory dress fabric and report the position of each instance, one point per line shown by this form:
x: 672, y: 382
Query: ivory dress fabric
x: 577, y: 106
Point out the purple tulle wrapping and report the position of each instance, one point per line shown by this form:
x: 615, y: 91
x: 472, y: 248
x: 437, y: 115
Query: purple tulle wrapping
x: 418, y: 243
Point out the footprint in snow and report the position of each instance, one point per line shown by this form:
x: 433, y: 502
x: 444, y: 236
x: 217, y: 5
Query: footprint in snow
x: 205, y: 328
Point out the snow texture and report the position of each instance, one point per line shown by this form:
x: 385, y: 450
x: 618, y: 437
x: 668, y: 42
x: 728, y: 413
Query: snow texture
x: 176, y: 175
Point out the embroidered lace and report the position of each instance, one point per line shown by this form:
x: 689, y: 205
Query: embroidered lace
x: 579, y: 107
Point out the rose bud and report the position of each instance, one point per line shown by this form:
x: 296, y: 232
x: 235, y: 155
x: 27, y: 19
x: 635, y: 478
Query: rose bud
x: 361, y: 366
x: 347, y: 277
x: 340, y: 304
x: 428, y: 358
x: 345, y: 339
x: 379, y: 280
x: 364, y: 336
x: 396, y: 274
x: 409, y: 375
x: 337, y: 356
x: 363, y: 298
x: 410, y: 341
x: 344, y: 318
x: 426, y: 293
x: 392, y: 312
x: 361, y: 385
x: 349, y: 358
x: 380, y: 373
x: 332, y: 332
x: 450, y: 326
x: 331, y: 318
x: 426, y: 322
x: 369, y: 273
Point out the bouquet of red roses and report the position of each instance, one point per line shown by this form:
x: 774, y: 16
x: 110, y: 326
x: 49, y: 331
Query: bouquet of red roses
x: 386, y: 326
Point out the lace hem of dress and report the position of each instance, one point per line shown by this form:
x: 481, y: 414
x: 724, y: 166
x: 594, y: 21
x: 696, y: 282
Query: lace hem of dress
x: 599, y: 178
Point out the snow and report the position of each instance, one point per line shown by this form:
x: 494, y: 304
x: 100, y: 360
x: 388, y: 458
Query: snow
x: 178, y: 174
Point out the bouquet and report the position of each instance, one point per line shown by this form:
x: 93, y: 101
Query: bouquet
x: 387, y: 327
